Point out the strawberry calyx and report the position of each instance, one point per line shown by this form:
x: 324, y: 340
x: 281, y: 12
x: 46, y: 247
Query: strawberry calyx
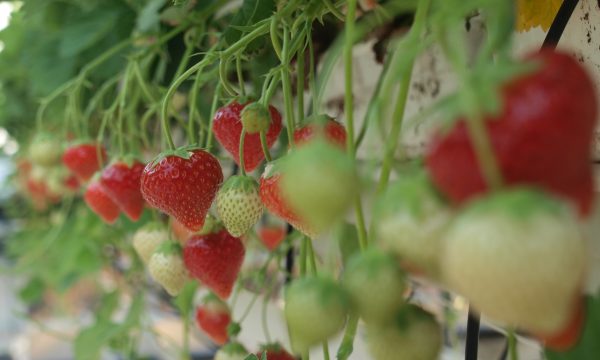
x: 234, y: 348
x: 211, y: 225
x: 233, y: 329
x: 128, y: 160
x: 168, y: 248
x: 317, y: 119
x: 240, y: 182
x: 153, y: 226
x: 184, y: 152
x: 410, y: 314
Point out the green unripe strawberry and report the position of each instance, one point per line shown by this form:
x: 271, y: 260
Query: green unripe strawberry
x: 45, y: 150
x: 411, y: 219
x: 376, y: 285
x: 413, y: 334
x: 320, y: 183
x: 232, y: 351
x: 239, y: 205
x: 167, y: 268
x: 255, y: 118
x: 518, y: 256
x: 147, y: 239
x: 315, y: 309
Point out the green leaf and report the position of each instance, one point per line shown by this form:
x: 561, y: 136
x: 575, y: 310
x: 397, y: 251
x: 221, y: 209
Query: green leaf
x: 149, y: 18
x: 86, y: 31
x: 249, y: 13
x: 90, y: 341
x: 253, y: 357
x: 588, y: 347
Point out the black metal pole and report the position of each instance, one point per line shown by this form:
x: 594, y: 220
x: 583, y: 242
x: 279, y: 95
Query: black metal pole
x: 289, y: 259
x: 472, y: 341
x: 560, y: 22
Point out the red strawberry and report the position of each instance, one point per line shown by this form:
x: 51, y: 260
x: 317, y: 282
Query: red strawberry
x: 227, y: 127
x: 213, y: 316
x: 183, y: 184
x: 83, y: 160
x: 215, y: 260
x: 274, y: 352
x: 121, y: 182
x: 71, y: 183
x: 100, y: 203
x: 541, y: 137
x: 271, y: 236
x: 334, y: 132
x: 272, y: 198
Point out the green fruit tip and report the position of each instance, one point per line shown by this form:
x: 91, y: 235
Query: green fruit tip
x: 255, y: 118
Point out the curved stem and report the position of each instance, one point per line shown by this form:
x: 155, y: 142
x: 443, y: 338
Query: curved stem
x: 241, y: 153
x: 312, y: 73
x: 275, y: 37
x: 213, y: 110
x: 265, y: 146
x: 287, y: 88
x: 223, y: 75
x: 300, y: 83
x: 334, y: 11
x: 240, y: 75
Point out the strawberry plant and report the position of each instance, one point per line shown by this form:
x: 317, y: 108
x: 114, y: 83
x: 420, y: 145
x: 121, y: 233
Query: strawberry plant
x: 207, y: 124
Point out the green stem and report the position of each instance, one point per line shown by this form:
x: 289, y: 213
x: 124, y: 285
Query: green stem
x: 287, y: 87
x: 185, y: 59
x: 347, y: 346
x: 241, y: 153
x: 223, y: 75
x: 213, y: 110
x: 512, y: 345
x: 192, y: 107
x: 300, y: 83
x: 275, y: 37
x: 312, y: 73
x: 311, y: 255
x: 105, y: 56
x: 334, y: 11
x: 303, y: 253
x: 325, y: 350
x: 185, y: 352
x: 265, y: 146
x: 240, y: 75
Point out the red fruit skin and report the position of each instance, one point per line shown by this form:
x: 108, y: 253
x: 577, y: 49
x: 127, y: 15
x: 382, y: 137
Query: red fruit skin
x: 183, y: 188
x: 569, y: 336
x: 276, y: 355
x: 214, y: 323
x: 181, y: 233
x: 273, y: 200
x: 271, y: 236
x: 227, y: 127
x: 215, y: 260
x: 72, y: 183
x: 542, y: 136
x: 334, y: 132
x: 82, y: 160
x: 121, y: 183
x: 100, y: 203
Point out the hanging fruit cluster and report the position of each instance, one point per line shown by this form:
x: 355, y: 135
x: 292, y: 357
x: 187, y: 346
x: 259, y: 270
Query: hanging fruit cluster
x: 493, y: 211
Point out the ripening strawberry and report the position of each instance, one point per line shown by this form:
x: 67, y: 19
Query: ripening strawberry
x: 121, y: 182
x: 271, y: 235
x: 315, y: 309
x: 239, y: 205
x: 568, y: 336
x: 45, y: 150
x: 231, y: 351
x: 410, y: 222
x: 148, y: 238
x: 412, y: 334
x: 215, y: 260
x: 273, y: 200
x: 100, y: 203
x: 519, y: 257
x: 376, y: 285
x: 213, y: 317
x: 227, y: 127
x: 274, y: 352
x: 166, y: 267
x: 319, y: 182
x: 334, y: 132
x: 541, y: 137
x: 183, y: 183
x: 83, y: 160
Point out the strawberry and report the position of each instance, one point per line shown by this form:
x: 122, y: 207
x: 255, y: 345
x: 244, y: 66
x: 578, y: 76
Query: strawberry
x: 183, y: 184
x: 319, y: 182
x: 315, y: 309
x: 274, y: 352
x: 121, y: 182
x: 518, y: 256
x: 227, y: 127
x: 413, y: 334
x: 335, y: 132
x: 100, y: 203
x: 238, y: 204
x: 71, y: 183
x: 529, y: 136
x: 273, y: 200
x: 44, y: 150
x: 180, y: 231
x: 148, y: 238
x: 410, y: 221
x: 213, y: 317
x: 255, y: 117
x: 376, y: 285
x: 271, y: 236
x: 166, y: 267
x: 83, y: 160
x: 567, y: 337
x: 215, y: 260
x: 231, y: 351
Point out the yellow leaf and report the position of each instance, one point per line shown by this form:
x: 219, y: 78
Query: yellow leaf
x: 533, y: 13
